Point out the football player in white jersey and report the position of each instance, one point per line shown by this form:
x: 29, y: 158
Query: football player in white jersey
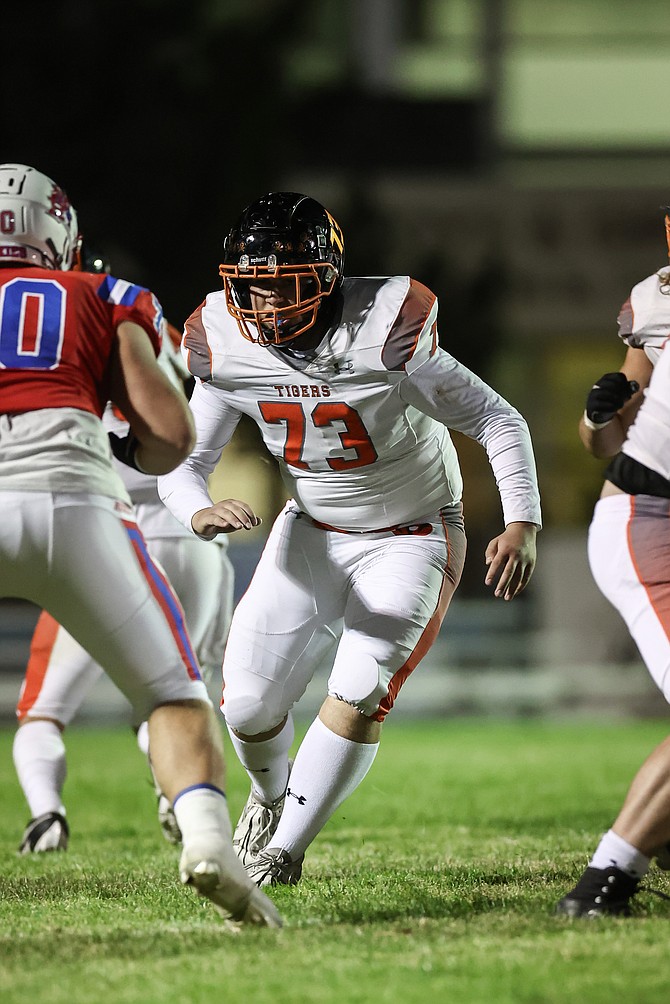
x: 353, y: 396
x: 60, y: 674
x: 69, y: 542
x: 627, y: 418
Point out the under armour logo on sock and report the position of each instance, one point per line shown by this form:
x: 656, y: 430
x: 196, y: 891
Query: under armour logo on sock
x: 299, y: 798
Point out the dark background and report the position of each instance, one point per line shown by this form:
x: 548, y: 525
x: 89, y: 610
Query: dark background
x: 156, y: 120
x: 163, y: 119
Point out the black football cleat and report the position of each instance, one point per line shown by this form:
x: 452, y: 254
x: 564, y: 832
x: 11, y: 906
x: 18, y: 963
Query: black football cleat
x: 48, y: 832
x: 600, y: 892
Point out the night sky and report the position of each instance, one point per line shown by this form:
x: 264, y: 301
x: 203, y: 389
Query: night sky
x: 160, y: 119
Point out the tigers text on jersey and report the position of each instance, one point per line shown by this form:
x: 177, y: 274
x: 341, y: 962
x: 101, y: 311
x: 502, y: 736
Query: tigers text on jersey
x: 644, y: 319
x: 359, y: 427
x: 57, y: 330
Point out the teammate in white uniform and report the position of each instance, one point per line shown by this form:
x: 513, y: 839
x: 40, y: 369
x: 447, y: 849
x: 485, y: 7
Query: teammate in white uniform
x: 627, y: 417
x: 69, y: 342
x: 60, y: 673
x: 353, y: 396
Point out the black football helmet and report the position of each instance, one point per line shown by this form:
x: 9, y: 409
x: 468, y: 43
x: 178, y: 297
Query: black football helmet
x: 281, y: 236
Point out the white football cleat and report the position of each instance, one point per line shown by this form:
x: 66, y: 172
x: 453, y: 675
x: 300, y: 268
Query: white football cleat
x: 167, y: 820
x: 256, y: 825
x: 221, y: 878
x: 274, y: 866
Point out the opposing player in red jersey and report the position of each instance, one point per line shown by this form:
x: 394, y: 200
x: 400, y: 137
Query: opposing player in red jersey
x: 354, y: 397
x: 69, y: 342
x: 60, y: 673
x: 627, y: 418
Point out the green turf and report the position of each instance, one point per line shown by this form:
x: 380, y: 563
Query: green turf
x: 434, y: 883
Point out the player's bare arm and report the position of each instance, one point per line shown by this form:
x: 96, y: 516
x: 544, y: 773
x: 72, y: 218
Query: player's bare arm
x: 511, y: 559
x: 606, y: 441
x: 226, y: 516
x: 158, y: 413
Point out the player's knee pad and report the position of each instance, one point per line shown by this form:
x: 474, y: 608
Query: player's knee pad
x: 249, y: 715
x: 363, y: 683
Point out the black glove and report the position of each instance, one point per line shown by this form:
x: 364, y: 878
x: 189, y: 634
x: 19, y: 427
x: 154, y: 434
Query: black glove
x: 608, y: 395
x: 124, y: 449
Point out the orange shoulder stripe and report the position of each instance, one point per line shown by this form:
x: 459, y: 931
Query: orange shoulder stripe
x: 403, y: 336
x: 197, y: 346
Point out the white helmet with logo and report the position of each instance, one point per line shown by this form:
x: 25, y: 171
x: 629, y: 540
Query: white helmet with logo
x: 37, y: 222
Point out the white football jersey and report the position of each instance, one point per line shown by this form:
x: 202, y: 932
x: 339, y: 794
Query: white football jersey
x: 155, y: 520
x: 57, y: 450
x: 359, y: 426
x: 644, y: 319
x: 648, y: 439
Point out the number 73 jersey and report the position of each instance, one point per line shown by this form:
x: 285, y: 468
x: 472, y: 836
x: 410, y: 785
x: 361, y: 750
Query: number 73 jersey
x: 358, y: 427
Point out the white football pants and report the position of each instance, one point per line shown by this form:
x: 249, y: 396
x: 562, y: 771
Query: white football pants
x: 82, y: 558
x: 629, y: 555
x: 380, y: 597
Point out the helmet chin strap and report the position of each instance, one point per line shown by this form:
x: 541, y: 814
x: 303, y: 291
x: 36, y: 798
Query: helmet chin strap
x: 328, y: 317
x: 57, y: 262
x: 276, y: 323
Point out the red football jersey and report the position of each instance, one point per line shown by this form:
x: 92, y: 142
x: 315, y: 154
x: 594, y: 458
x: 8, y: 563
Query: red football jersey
x: 56, y: 334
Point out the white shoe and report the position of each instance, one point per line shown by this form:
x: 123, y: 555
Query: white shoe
x: 219, y: 875
x: 273, y: 866
x: 167, y: 820
x: 256, y: 826
x: 48, y: 832
x: 166, y: 817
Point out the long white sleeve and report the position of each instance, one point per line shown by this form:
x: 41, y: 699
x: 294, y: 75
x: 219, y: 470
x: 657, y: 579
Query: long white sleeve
x: 455, y: 396
x: 184, y: 490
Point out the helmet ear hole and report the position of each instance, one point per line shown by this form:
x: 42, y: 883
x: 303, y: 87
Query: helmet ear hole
x: 282, y: 235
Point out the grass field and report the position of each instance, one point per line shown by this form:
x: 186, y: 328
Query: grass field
x: 434, y: 883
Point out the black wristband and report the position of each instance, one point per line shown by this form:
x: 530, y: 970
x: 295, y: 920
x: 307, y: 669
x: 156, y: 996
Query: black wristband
x: 125, y: 448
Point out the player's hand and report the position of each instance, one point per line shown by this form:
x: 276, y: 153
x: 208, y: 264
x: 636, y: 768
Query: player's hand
x: 608, y: 395
x: 224, y: 517
x: 511, y: 559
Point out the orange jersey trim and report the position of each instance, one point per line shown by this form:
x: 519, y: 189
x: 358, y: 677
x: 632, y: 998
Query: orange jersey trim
x: 658, y: 595
x: 403, y: 337
x: 41, y: 647
x: 427, y: 639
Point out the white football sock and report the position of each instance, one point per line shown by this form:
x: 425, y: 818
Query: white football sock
x: 39, y: 759
x: 615, y: 852
x: 266, y: 762
x: 202, y: 815
x: 143, y: 738
x: 327, y: 769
